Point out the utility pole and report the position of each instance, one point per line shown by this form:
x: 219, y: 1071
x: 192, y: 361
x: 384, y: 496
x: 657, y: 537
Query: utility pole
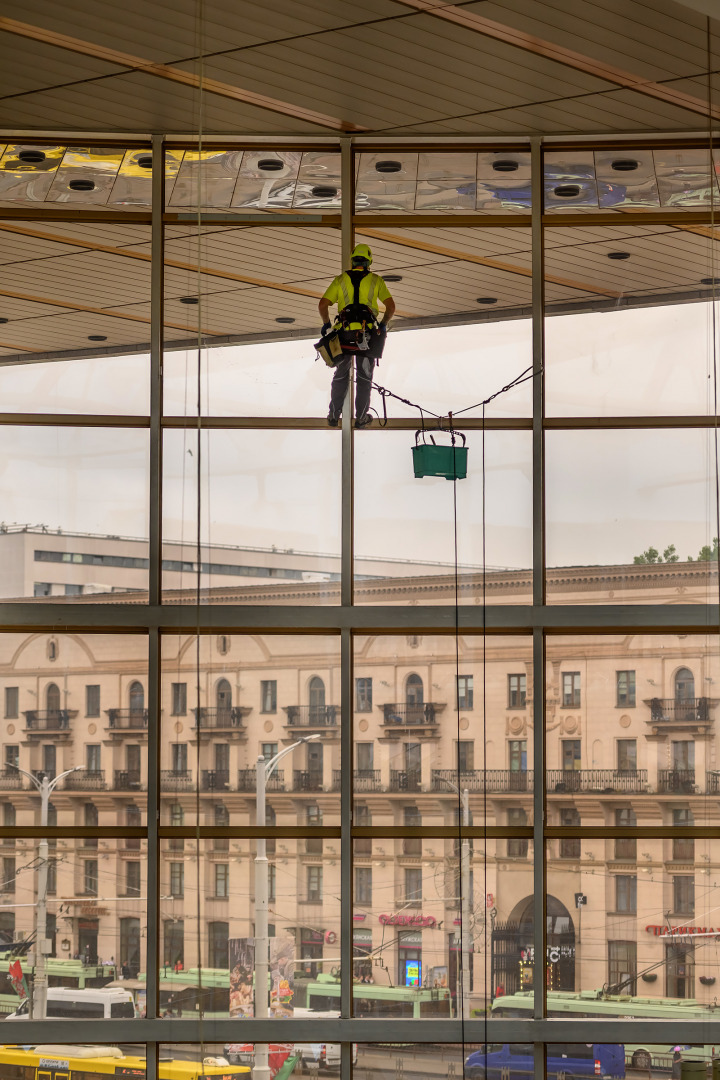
x: 466, y: 937
x: 264, y: 770
x: 38, y: 1001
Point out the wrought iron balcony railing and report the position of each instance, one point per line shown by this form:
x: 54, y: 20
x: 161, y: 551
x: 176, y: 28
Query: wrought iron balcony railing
x: 606, y: 781
x: 215, y: 780
x: 676, y: 780
x: 312, y: 715
x: 224, y: 718
x: 49, y: 720
x: 307, y: 780
x: 492, y: 781
x: 247, y: 780
x: 405, y: 780
x: 127, y: 719
x: 86, y: 780
x: 175, y: 781
x: 685, y: 710
x: 11, y: 780
x: 363, y: 780
x: 410, y: 715
x: 127, y: 780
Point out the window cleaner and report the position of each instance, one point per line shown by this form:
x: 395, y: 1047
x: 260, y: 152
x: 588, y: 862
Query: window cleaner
x: 356, y: 331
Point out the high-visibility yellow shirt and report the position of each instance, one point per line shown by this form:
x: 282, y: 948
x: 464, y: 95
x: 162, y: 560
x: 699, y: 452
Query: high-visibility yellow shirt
x: 372, y: 288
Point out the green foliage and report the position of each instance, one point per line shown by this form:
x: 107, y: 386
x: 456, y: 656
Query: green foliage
x: 706, y: 553
x: 652, y: 556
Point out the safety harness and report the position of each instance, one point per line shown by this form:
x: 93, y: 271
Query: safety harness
x: 367, y: 336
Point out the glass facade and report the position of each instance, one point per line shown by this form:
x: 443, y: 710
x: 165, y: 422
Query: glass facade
x: 293, y: 737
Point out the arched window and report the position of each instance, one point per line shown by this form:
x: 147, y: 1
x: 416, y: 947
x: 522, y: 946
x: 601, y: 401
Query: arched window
x: 52, y: 698
x: 223, y: 698
x: 684, y: 684
x: 316, y: 692
x: 137, y: 698
x: 414, y: 690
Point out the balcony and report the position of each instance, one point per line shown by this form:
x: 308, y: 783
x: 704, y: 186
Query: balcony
x: 49, y: 722
x: 363, y: 780
x: 407, y: 715
x: 127, y: 780
x: 86, y: 780
x: 492, y: 782
x: 405, y: 780
x: 10, y: 780
x: 312, y: 716
x: 307, y: 780
x: 676, y: 781
x: 603, y: 781
x: 228, y: 719
x: 127, y: 719
x: 684, y: 714
x: 215, y: 780
x: 175, y: 781
x: 712, y: 783
x: 247, y: 780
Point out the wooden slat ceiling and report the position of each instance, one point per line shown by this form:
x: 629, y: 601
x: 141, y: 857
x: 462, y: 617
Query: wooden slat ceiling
x: 65, y: 282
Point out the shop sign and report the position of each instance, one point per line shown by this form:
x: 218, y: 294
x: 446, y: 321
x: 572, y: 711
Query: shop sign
x: 669, y: 931
x: 423, y: 921
x: 362, y: 936
x: 555, y: 953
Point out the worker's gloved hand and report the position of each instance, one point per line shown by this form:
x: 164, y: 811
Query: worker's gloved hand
x: 325, y: 327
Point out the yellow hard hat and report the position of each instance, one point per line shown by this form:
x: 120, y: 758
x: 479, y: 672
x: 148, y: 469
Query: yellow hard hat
x: 362, y: 251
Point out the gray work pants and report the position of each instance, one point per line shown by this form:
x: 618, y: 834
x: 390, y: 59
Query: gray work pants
x: 363, y: 384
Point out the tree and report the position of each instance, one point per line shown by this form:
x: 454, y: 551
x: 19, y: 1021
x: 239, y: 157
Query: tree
x: 670, y: 554
x: 707, y: 553
x: 652, y: 555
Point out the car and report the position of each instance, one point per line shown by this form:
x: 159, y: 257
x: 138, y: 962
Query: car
x: 515, y: 1061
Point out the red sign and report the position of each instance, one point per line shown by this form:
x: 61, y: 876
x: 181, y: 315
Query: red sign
x: 423, y: 921
x: 670, y: 931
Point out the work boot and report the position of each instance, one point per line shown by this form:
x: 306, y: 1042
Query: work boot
x: 363, y: 421
x: 333, y: 420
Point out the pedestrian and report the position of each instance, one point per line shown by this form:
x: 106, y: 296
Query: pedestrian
x: 356, y: 293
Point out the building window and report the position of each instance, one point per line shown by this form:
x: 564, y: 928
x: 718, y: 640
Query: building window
x: 11, y: 702
x: 625, y: 689
x: 12, y: 756
x: 174, y: 945
x: 680, y: 968
x: 412, y: 819
x: 179, y: 757
x: 466, y: 756
x: 178, y: 693
x: 92, y: 758
x: 570, y: 845
x: 627, y: 755
x: 9, y: 820
x: 361, y: 816
x: 363, y: 885
x: 465, y: 691
x: 8, y: 875
x: 313, y: 844
x: 52, y: 698
x: 177, y: 879
x: 622, y: 967
x: 365, y: 753
x: 626, y: 894
x: 272, y: 882
x: 683, y: 847
x: 136, y: 698
x: 222, y: 880
x: 92, y: 820
x: 363, y: 695
x: 221, y: 816
x: 314, y: 883
x: 42, y: 588
x: 571, y: 689
x: 268, y: 696
x: 517, y: 755
x: 683, y: 891
x: 626, y: 846
x: 570, y: 755
x: 517, y: 691
x: 90, y: 877
x: 517, y: 846
x: 223, y: 644
x: 413, y: 884
x: 92, y: 700
x: 177, y: 818
x: 133, y: 818
x: 218, y: 934
x: 132, y: 878
x: 52, y: 877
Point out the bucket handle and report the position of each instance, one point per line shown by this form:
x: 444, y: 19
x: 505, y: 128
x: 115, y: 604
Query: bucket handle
x: 449, y: 431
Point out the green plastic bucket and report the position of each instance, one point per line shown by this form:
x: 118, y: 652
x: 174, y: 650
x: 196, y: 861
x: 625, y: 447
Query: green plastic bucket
x: 429, y: 459
x: 693, y: 1069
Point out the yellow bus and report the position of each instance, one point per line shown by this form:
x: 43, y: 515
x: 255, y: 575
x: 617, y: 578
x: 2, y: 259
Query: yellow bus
x: 56, y: 1062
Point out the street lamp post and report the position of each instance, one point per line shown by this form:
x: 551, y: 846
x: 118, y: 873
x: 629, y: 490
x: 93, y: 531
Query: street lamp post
x: 466, y: 941
x: 265, y: 769
x: 42, y: 945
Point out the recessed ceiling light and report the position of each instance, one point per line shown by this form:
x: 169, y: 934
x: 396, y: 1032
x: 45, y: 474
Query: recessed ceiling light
x: 625, y: 165
x: 4, y: 320
x: 618, y: 255
x: 284, y: 319
x: 388, y: 166
x: 392, y: 277
x: 31, y: 157
x: 322, y: 192
x: 710, y: 281
x: 486, y: 300
x: 82, y: 185
x: 271, y: 164
x: 97, y: 337
x: 189, y: 300
x: 145, y: 161
x: 567, y: 191
x: 505, y: 165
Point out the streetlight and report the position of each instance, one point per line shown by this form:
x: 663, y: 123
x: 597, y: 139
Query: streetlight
x: 42, y: 947
x: 265, y: 769
x: 466, y: 944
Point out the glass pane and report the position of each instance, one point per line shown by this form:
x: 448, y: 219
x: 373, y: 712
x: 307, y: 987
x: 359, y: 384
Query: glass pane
x: 59, y: 1059
x: 270, y: 510
x: 259, y: 696
x: 75, y: 511
x: 404, y: 535
x: 639, y: 502
x: 635, y: 338
x: 629, y: 729
x: 73, y: 706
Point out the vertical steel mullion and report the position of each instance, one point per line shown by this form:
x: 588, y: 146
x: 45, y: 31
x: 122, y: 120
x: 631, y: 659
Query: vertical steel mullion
x: 538, y: 446
x: 157, y: 287
x: 346, y: 853
x: 347, y: 502
x: 155, y: 583
x: 151, y: 1061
